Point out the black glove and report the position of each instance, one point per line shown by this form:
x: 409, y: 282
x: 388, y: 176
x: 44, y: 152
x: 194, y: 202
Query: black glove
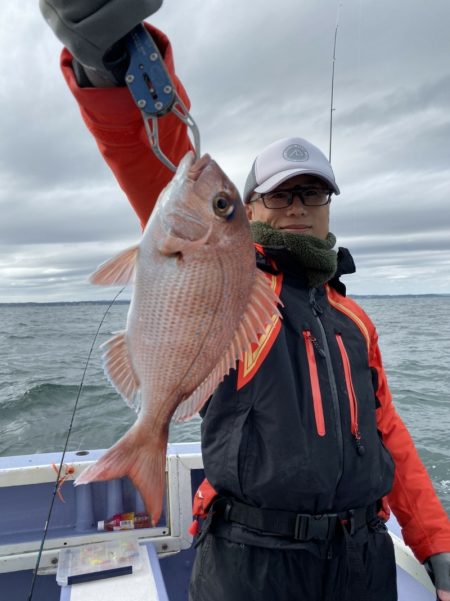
x: 438, y: 566
x: 92, y: 30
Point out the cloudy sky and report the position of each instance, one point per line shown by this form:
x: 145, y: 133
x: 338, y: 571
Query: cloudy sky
x: 255, y: 72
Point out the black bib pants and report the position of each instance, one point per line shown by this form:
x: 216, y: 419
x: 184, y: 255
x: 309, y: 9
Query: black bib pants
x: 229, y: 571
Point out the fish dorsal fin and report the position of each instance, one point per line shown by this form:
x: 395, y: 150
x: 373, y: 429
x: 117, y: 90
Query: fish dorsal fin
x: 118, y: 271
x: 258, y: 316
x: 120, y: 372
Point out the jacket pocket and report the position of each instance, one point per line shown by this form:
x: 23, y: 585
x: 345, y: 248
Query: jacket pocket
x: 314, y: 381
x: 353, y: 402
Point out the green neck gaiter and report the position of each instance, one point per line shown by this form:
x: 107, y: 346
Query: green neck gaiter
x: 314, y: 256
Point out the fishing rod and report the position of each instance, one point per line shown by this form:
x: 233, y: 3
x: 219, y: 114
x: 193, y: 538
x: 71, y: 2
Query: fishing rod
x: 58, y: 477
x: 332, y: 109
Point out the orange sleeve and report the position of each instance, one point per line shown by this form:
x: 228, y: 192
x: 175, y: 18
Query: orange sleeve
x: 424, y: 522
x: 118, y: 128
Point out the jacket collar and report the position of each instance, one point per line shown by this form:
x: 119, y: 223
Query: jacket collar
x: 274, y: 260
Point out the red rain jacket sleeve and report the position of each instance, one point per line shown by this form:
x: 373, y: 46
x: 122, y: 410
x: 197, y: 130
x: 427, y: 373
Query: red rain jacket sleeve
x: 424, y: 522
x: 118, y: 128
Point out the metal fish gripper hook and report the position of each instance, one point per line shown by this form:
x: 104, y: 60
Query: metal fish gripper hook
x: 153, y: 91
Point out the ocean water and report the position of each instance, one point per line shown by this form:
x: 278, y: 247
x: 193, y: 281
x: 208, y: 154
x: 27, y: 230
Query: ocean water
x: 43, y: 352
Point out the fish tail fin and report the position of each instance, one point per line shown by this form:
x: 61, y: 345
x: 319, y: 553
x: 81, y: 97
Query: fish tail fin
x: 142, y: 458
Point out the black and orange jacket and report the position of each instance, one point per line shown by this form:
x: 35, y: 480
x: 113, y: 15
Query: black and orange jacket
x: 306, y: 422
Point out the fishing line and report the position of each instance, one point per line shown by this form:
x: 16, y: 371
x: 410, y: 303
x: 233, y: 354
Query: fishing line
x: 58, y: 477
x: 332, y: 109
x: 360, y: 18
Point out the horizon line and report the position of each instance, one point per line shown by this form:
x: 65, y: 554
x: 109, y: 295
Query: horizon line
x: 125, y: 301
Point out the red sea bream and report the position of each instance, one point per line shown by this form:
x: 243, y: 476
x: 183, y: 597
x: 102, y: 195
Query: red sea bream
x: 198, y: 304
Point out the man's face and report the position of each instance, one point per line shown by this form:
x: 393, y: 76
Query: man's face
x: 297, y: 218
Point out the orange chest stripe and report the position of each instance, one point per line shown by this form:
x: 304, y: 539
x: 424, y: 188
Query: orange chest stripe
x: 251, y: 361
x: 344, y: 309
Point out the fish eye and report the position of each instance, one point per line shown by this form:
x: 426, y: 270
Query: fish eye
x: 223, y: 207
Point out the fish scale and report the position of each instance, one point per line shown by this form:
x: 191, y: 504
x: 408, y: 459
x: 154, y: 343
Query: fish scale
x: 166, y: 333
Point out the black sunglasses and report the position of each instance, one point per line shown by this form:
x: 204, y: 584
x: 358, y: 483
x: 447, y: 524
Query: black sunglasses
x: 309, y: 195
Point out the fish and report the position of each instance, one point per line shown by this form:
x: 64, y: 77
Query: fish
x: 199, y: 302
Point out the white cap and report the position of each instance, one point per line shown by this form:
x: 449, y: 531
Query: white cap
x: 285, y: 159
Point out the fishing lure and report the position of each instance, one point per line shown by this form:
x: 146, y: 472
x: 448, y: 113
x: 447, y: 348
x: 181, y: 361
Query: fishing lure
x: 69, y: 470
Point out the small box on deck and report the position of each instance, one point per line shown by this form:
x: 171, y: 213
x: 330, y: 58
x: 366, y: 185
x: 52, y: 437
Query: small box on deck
x: 98, y: 560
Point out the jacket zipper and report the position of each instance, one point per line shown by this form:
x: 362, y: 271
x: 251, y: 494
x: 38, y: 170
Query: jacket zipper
x: 353, y: 402
x: 334, y: 395
x: 314, y: 380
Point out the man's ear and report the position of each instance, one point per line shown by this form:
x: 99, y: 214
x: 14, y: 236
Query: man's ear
x: 249, y: 211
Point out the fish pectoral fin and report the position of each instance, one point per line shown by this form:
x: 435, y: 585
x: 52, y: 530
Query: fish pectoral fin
x: 118, y: 271
x: 260, y: 313
x: 120, y: 372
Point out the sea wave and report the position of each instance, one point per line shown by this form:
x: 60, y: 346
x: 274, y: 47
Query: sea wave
x: 40, y: 378
x: 46, y: 394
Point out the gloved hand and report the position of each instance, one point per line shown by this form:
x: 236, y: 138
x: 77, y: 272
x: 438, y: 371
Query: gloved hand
x: 91, y: 30
x: 438, y: 567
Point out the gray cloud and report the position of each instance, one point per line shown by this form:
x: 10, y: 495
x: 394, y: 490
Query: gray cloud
x: 254, y: 73
x: 402, y: 101
x: 64, y: 215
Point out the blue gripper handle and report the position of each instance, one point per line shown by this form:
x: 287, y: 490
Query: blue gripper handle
x: 147, y: 77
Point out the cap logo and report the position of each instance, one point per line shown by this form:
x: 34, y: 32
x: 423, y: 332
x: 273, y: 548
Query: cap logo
x: 296, y: 153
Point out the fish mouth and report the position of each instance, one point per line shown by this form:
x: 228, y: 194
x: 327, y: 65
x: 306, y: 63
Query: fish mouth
x: 198, y: 166
x: 209, y: 179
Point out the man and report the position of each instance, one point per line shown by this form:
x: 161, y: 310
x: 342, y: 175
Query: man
x: 301, y: 442
x: 310, y: 415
